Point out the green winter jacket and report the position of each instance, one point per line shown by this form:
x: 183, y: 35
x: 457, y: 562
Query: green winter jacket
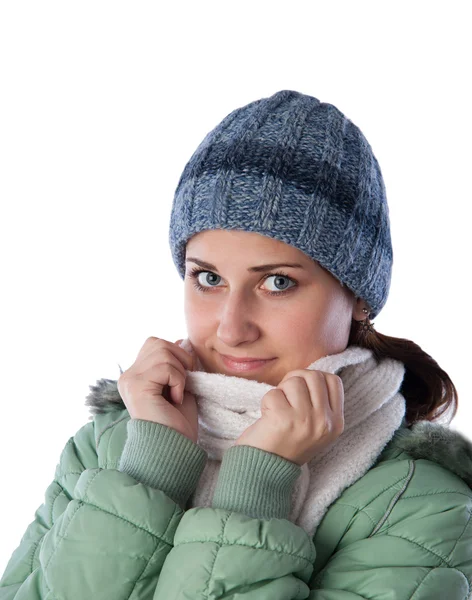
x: 113, y: 523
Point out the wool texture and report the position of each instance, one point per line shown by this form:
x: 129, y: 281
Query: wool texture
x: 374, y: 409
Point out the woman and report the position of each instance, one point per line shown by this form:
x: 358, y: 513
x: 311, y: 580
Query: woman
x: 315, y: 472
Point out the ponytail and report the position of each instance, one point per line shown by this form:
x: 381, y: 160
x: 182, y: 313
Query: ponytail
x: 427, y: 389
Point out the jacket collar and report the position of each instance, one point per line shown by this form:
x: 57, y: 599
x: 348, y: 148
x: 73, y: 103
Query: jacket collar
x: 424, y: 439
x: 433, y: 441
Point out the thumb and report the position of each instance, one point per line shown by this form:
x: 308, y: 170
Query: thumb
x: 192, y: 354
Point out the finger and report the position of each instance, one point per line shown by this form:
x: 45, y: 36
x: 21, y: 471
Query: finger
x: 297, y: 393
x: 160, y: 356
x: 275, y: 399
x: 170, y: 376
x: 332, y: 405
x: 326, y: 395
x: 319, y: 390
x: 315, y: 393
x: 148, y: 347
x: 191, y: 351
x: 151, y: 344
x: 336, y: 396
x: 336, y: 390
x: 191, y: 358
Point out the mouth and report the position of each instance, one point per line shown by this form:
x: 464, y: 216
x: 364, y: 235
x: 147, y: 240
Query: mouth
x: 242, y: 365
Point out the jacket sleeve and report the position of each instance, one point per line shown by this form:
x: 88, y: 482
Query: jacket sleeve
x: 105, y: 533
x: 243, y: 546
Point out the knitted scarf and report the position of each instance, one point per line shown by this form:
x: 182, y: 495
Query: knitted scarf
x: 373, y: 410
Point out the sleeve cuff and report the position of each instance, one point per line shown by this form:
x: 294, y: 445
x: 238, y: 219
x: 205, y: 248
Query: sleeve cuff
x: 162, y: 458
x: 256, y: 483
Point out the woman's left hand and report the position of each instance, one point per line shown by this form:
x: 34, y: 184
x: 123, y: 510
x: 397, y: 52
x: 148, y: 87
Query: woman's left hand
x: 301, y: 416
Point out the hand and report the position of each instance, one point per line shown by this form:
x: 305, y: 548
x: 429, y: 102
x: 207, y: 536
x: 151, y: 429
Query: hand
x: 153, y: 388
x: 302, y: 417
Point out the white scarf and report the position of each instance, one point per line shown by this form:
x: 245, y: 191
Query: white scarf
x: 373, y: 410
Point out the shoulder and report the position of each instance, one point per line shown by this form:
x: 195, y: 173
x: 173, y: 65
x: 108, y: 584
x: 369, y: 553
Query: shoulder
x: 421, y: 490
x: 427, y: 458
x: 418, y: 489
x: 97, y: 443
x: 407, y: 517
x: 438, y: 454
x: 420, y: 495
x: 108, y: 425
x: 429, y: 467
x: 428, y: 516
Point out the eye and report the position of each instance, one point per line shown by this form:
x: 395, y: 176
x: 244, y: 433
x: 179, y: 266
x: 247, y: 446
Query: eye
x: 194, y: 274
x: 281, y: 276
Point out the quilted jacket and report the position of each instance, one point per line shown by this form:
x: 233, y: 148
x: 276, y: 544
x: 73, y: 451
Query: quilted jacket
x: 114, y: 522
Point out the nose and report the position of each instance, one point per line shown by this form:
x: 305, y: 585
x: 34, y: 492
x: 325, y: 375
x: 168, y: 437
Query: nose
x: 236, y: 323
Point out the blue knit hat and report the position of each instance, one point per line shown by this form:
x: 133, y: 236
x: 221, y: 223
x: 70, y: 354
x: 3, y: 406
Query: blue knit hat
x: 297, y: 170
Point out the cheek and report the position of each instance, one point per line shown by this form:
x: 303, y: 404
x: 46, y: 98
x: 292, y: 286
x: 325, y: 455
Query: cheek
x: 316, y: 321
x: 301, y: 316
x: 334, y: 333
x: 293, y: 330
x: 193, y: 304
x: 200, y: 321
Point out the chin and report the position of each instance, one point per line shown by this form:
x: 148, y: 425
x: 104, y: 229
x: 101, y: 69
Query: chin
x: 251, y: 377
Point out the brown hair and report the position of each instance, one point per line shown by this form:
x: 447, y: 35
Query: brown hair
x: 428, y: 390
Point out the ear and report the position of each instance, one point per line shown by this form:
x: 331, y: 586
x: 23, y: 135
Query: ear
x: 357, y: 310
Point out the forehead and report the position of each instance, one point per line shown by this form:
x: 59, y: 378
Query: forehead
x: 220, y: 243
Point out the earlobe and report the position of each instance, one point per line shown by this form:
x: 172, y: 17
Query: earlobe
x: 358, y: 313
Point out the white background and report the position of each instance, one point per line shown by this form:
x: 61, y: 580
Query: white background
x: 102, y: 105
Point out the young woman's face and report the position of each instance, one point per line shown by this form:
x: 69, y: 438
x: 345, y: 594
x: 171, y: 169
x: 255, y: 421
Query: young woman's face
x: 308, y: 316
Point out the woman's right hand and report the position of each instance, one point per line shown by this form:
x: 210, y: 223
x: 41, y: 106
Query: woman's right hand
x: 153, y: 387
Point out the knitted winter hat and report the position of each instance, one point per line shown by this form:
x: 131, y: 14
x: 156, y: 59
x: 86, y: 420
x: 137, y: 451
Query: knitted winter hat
x: 297, y: 170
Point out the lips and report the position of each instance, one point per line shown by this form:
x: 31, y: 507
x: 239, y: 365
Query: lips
x: 244, y: 360
x: 240, y: 366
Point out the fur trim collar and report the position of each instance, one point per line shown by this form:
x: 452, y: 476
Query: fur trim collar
x: 425, y: 439
x: 104, y: 397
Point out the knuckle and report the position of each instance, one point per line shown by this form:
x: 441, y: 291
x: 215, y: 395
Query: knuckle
x: 273, y: 394
x: 294, y: 373
x: 333, y: 430
x: 331, y: 426
x: 288, y: 426
x: 306, y: 425
x: 122, y: 384
x: 268, y: 399
x: 325, y: 426
x: 122, y: 378
x: 315, y: 374
x: 292, y: 377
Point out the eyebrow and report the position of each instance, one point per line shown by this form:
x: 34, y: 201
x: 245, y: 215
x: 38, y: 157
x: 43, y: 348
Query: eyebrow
x: 257, y: 269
